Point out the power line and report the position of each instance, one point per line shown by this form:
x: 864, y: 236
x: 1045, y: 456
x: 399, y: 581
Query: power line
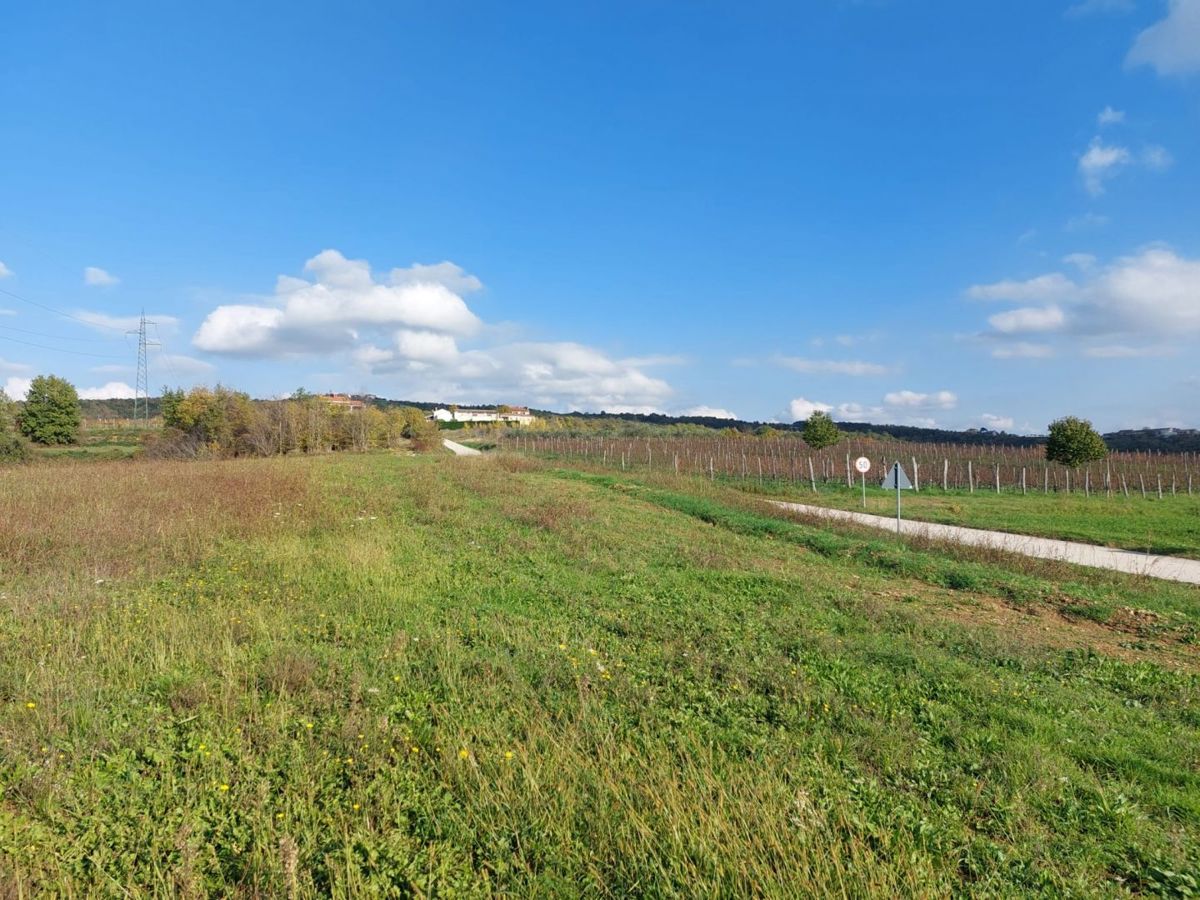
x: 59, y: 312
x: 57, y: 337
x: 58, y: 349
x: 164, y: 356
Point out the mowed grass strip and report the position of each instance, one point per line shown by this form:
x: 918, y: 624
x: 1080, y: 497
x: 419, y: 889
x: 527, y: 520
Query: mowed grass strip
x: 481, y: 677
x: 1168, y: 526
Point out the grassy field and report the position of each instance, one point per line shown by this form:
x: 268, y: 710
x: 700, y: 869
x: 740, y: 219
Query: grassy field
x: 1170, y: 526
x: 386, y: 675
x: 98, y: 442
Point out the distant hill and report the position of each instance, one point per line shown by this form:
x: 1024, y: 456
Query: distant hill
x: 1165, y: 440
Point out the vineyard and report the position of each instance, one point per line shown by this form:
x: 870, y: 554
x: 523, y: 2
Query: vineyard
x: 945, y: 467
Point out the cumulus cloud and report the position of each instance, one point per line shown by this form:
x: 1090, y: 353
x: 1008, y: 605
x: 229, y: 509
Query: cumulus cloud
x: 5, y: 271
x: 1124, y: 351
x: 1110, y: 116
x: 1152, y: 294
x: 104, y: 322
x: 852, y: 367
x: 413, y: 324
x: 802, y: 408
x: 904, y: 407
x: 1171, y: 45
x: 1028, y: 319
x: 1023, y: 350
x: 16, y: 388
x: 94, y: 276
x: 1054, y: 286
x: 996, y: 423
x: 540, y: 373
x: 327, y: 313
x: 709, y: 412
x: 179, y: 366
x: 1101, y: 162
x: 1081, y: 261
x: 113, y: 390
x: 917, y: 400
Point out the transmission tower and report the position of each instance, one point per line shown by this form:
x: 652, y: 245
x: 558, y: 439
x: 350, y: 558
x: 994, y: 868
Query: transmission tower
x: 141, y: 391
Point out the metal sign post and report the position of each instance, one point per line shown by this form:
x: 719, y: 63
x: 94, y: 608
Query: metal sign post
x: 864, y: 466
x: 897, y: 479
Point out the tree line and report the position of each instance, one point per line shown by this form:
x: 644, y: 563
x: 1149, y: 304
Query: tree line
x: 219, y: 422
x: 223, y: 422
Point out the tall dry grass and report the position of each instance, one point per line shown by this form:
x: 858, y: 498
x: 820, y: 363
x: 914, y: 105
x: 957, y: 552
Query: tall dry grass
x: 108, y: 519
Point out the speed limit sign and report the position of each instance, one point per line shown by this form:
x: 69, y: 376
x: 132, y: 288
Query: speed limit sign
x: 863, y: 465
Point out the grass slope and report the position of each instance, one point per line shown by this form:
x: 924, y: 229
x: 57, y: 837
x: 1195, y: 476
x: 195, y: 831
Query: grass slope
x: 1169, y: 526
x: 380, y: 675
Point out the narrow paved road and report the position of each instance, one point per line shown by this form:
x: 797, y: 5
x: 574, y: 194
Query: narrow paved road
x: 459, y: 449
x: 1171, y: 568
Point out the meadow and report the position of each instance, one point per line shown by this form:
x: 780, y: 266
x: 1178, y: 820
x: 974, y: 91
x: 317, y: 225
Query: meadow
x: 394, y: 675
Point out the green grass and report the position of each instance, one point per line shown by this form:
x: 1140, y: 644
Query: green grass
x: 98, y: 443
x: 1169, y: 526
x: 438, y: 676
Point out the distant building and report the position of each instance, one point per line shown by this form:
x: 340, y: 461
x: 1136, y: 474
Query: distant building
x: 343, y: 401
x: 512, y: 415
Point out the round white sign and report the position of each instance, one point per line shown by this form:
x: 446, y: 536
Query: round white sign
x: 863, y: 464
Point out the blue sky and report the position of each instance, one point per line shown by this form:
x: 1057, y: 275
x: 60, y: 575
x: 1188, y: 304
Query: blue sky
x: 943, y: 213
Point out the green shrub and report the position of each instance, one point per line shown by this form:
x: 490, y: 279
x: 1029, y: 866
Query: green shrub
x: 1073, y: 442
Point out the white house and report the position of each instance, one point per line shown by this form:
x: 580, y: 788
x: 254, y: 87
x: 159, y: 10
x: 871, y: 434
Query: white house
x: 512, y: 415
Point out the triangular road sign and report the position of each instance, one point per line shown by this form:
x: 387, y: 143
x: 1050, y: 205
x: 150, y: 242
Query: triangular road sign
x: 896, y: 473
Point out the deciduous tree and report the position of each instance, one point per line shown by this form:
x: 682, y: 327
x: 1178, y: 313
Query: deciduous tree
x: 51, y: 414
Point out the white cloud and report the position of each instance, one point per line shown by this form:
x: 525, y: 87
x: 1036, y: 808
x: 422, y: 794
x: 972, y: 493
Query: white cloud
x: 1096, y: 7
x: 916, y: 400
x: 414, y: 325
x: 1152, y: 294
x: 104, y: 322
x: 996, y: 423
x: 1156, y: 157
x: 1054, y: 286
x: 830, y: 366
x: 1081, y: 261
x: 1172, y: 45
x: 1028, y: 319
x: 709, y: 412
x: 1101, y: 162
x: 1110, y: 116
x: 447, y: 274
x: 800, y: 408
x: 897, y: 408
x: 1023, y: 350
x: 16, y: 388
x: 94, y: 276
x: 1123, y: 351
x: 5, y: 271
x: 426, y: 346
x: 113, y: 390
x: 327, y: 314
x: 178, y: 366
x: 13, y: 367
